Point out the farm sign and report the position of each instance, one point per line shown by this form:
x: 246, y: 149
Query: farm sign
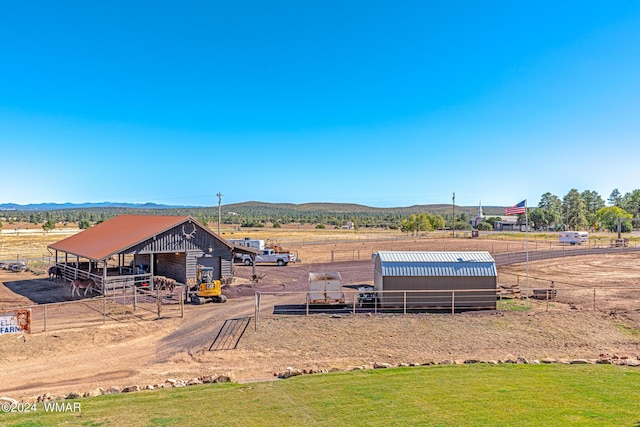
x: 15, y: 322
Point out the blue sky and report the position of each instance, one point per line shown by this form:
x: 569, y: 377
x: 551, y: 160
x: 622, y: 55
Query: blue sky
x: 378, y: 103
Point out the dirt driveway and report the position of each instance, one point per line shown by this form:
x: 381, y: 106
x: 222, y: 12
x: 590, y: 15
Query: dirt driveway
x: 138, y: 351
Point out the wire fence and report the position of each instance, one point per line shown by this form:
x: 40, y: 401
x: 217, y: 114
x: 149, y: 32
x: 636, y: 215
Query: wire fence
x: 131, y: 306
x: 134, y: 304
x: 515, y: 241
x: 509, y: 253
x: 494, y: 243
x: 559, y: 252
x: 577, y: 296
x: 541, y: 294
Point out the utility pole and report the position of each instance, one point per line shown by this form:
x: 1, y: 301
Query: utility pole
x: 453, y: 205
x: 219, y: 216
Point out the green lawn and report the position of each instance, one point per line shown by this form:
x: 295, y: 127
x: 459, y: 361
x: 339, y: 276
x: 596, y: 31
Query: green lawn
x: 472, y: 395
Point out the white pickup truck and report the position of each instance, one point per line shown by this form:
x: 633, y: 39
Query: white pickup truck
x: 269, y: 255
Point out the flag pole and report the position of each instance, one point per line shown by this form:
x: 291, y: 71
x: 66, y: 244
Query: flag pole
x: 526, y: 231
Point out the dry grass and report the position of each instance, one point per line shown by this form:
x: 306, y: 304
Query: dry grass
x: 148, y: 352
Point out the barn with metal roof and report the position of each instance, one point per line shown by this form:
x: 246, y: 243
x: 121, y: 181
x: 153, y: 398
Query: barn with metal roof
x: 437, y: 280
x: 132, y: 249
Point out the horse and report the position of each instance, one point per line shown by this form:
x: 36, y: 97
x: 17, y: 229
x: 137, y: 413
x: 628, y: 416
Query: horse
x: 86, y: 284
x: 55, y: 273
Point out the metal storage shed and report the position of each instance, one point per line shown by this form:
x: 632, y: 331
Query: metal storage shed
x: 466, y: 279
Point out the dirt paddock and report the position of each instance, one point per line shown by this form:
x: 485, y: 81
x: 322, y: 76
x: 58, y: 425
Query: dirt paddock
x: 140, y: 349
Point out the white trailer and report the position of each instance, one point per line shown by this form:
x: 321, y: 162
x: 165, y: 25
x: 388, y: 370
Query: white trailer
x: 573, y: 237
x: 248, y: 243
x: 325, y: 288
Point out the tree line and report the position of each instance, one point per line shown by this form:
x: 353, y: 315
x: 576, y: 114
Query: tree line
x: 576, y: 210
x: 249, y: 214
x: 585, y: 210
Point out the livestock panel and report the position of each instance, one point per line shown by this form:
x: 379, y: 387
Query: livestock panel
x: 482, y: 297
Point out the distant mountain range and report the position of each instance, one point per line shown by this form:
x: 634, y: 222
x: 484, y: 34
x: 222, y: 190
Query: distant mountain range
x: 59, y: 206
x: 263, y: 207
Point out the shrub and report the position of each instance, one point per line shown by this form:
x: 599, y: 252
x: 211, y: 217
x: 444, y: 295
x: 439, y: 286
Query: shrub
x: 49, y: 225
x: 463, y: 226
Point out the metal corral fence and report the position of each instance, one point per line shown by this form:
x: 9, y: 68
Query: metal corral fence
x: 503, y: 255
x: 489, y: 242
x: 510, y: 252
x: 583, y: 297
x: 558, y: 252
x: 336, y: 238
x: 535, y: 241
x: 541, y: 293
x: 356, y: 301
x: 32, y: 231
x: 126, y: 307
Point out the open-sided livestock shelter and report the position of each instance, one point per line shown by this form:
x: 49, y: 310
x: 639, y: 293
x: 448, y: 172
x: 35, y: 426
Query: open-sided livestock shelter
x: 436, y: 280
x: 132, y: 249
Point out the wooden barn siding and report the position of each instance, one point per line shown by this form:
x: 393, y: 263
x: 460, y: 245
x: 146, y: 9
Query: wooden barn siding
x: 182, y: 267
x: 192, y: 262
x: 220, y: 261
x: 485, y: 300
x: 227, y: 267
x: 174, y: 240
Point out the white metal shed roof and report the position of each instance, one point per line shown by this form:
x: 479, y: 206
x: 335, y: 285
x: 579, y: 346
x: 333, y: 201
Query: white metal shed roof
x: 437, y: 264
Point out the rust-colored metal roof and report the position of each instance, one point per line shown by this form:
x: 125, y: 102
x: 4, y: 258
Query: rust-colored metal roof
x: 117, y: 234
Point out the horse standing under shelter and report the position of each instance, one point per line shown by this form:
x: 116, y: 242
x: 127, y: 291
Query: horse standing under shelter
x: 55, y: 273
x: 86, y: 284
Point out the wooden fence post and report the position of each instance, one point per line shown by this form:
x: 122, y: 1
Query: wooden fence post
x: 548, y: 292
x: 255, y: 312
x: 159, y: 302
x: 181, y: 306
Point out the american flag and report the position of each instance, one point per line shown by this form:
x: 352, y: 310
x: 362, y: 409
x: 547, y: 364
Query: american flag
x: 516, y: 209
